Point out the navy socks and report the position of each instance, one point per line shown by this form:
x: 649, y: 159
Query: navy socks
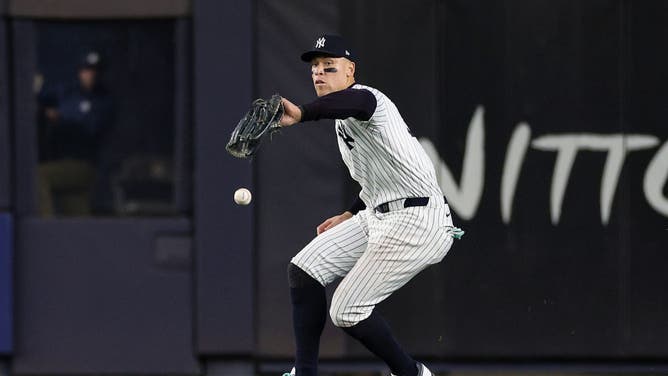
x: 375, y: 335
x: 309, y: 312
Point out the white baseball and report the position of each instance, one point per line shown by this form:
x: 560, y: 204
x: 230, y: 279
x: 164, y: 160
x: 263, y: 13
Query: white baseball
x: 242, y: 196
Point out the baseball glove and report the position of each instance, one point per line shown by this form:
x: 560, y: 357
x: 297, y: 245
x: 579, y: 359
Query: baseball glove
x: 262, y: 119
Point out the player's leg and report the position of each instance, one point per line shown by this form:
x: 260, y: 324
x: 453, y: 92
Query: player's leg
x: 330, y: 255
x: 401, y: 244
x: 309, y: 312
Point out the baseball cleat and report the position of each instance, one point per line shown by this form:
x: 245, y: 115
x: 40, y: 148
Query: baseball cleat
x: 422, y: 370
x: 291, y: 373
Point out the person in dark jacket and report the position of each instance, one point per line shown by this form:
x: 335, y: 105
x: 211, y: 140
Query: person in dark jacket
x: 74, y: 117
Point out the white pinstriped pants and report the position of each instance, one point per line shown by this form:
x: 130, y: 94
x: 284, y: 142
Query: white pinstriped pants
x: 376, y: 254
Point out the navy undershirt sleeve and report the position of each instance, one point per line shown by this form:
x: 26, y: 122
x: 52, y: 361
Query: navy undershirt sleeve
x: 357, y: 206
x: 356, y: 103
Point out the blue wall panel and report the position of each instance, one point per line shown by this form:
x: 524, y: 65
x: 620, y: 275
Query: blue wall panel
x: 105, y: 296
x: 6, y: 309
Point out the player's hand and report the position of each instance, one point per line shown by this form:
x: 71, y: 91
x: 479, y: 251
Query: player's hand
x: 333, y: 221
x: 291, y: 115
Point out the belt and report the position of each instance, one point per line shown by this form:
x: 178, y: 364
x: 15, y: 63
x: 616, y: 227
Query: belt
x: 408, y: 202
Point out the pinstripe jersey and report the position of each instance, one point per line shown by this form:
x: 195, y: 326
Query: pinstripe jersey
x: 383, y: 157
x: 377, y: 252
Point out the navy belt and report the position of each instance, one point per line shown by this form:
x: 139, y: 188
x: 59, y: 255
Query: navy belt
x: 408, y: 202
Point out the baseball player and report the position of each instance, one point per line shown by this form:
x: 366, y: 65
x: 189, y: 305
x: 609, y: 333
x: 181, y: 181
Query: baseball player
x: 398, y: 226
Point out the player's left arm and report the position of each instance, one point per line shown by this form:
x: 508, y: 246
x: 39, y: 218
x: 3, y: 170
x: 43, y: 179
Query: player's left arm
x: 291, y: 114
x: 356, y: 103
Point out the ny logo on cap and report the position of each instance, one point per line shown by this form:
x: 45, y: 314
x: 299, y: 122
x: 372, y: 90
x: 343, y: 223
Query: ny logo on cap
x: 92, y: 58
x: 320, y: 43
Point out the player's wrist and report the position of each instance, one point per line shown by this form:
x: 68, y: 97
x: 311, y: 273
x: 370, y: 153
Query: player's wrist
x: 300, y: 115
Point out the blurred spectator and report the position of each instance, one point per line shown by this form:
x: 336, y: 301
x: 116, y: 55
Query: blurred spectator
x: 74, y: 118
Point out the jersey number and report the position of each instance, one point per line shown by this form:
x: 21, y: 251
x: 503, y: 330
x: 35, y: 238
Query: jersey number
x: 345, y: 137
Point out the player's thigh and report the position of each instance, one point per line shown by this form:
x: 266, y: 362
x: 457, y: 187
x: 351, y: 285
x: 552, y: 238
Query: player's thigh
x: 398, y: 249
x: 334, y: 252
x: 415, y: 237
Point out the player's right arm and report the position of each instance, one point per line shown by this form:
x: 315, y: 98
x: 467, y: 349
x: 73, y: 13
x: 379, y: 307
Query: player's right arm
x: 333, y: 221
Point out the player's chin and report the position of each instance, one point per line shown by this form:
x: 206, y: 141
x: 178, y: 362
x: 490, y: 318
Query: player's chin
x: 321, y: 90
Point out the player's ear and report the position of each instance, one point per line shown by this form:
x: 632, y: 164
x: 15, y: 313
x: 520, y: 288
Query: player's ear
x: 350, y: 70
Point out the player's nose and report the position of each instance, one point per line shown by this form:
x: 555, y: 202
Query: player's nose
x: 317, y: 70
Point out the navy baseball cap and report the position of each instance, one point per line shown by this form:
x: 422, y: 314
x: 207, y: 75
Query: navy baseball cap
x: 328, y: 45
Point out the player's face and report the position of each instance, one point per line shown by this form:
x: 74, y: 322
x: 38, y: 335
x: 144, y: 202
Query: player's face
x: 331, y: 74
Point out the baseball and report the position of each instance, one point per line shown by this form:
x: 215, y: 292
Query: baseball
x: 242, y: 196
